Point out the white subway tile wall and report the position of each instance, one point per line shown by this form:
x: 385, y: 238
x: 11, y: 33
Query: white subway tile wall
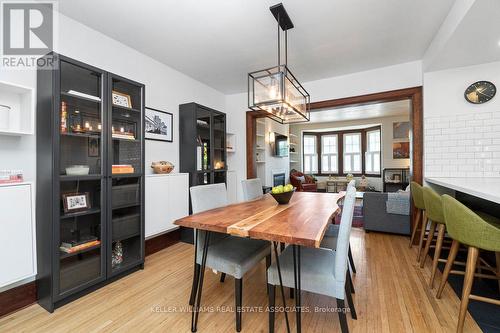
x: 462, y: 145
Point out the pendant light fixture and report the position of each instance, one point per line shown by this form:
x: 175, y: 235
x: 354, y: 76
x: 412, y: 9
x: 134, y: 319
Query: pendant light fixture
x: 275, y: 90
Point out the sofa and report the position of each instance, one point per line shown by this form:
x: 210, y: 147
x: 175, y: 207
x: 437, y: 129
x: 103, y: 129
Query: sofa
x: 303, y: 183
x: 376, y: 217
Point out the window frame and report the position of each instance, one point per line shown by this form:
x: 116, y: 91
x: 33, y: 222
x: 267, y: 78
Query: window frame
x: 340, y: 151
x: 370, y: 154
x: 312, y: 155
x: 360, y: 153
x: 336, y: 154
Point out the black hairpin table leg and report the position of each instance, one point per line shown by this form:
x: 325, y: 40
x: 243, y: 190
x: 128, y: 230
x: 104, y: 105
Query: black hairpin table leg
x: 275, y: 245
x: 296, y: 272
x: 196, y: 307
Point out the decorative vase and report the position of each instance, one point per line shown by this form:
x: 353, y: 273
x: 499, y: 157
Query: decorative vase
x: 117, y: 256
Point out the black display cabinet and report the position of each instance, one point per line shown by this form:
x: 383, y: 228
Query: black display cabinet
x: 202, y: 147
x: 395, y: 179
x: 90, y: 179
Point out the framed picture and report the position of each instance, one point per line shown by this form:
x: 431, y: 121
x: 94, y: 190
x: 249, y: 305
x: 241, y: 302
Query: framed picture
x: 93, y: 147
x: 76, y: 202
x: 401, y: 130
x: 121, y: 99
x: 158, y: 125
x: 400, y: 150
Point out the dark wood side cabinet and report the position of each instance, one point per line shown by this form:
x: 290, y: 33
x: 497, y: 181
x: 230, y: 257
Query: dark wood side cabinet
x: 395, y: 179
x: 202, y: 147
x: 90, y: 219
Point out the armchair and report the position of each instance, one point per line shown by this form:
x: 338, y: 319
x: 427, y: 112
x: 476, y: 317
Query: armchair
x: 303, y: 183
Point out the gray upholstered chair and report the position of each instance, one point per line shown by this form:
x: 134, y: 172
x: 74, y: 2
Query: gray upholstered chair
x: 227, y: 254
x: 330, y: 239
x: 252, y: 189
x: 323, y: 271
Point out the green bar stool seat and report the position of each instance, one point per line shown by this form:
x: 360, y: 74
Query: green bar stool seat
x: 420, y: 218
x: 478, y: 231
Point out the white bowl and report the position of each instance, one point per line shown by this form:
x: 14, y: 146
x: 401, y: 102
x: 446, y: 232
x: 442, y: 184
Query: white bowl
x: 77, y: 170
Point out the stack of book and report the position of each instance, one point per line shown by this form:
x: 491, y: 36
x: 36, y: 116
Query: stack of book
x: 76, y: 246
x: 122, y: 168
x: 124, y: 135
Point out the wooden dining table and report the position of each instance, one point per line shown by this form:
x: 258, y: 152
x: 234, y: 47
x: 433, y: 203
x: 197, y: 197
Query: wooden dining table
x: 301, y: 222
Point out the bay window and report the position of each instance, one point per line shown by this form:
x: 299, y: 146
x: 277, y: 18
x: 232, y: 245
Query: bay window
x: 342, y: 152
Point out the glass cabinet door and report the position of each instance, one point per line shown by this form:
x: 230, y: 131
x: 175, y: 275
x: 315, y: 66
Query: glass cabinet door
x: 203, y: 140
x: 219, y: 135
x: 126, y: 170
x: 81, y: 150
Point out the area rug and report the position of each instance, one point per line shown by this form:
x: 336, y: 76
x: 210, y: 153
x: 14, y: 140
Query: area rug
x: 357, y: 218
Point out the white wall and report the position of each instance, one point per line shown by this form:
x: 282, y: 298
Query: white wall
x: 165, y: 90
x: 461, y: 139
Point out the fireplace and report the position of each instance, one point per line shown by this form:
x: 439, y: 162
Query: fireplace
x: 279, y: 179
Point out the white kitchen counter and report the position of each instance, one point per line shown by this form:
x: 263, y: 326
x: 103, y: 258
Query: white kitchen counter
x: 484, y: 188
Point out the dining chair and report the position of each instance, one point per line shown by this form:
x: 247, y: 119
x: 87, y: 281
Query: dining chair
x: 323, y: 271
x: 227, y: 254
x: 252, y: 189
x: 330, y: 239
x: 478, y: 231
x: 421, y: 219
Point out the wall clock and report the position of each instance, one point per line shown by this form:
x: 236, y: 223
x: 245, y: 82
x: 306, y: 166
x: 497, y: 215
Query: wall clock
x: 480, y: 92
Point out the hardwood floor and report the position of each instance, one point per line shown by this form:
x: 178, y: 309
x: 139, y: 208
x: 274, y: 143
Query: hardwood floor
x: 392, y: 295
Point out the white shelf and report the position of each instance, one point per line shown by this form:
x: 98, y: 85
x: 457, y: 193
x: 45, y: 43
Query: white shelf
x: 294, y: 161
x: 19, y: 120
x: 230, y: 142
x: 260, y: 161
x: 261, y: 122
x: 260, y: 148
x: 292, y: 144
x: 292, y: 135
x: 260, y: 135
x: 293, y: 152
x: 230, y: 150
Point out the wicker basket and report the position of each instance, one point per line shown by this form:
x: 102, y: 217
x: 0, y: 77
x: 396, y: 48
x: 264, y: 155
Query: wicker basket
x: 162, y: 167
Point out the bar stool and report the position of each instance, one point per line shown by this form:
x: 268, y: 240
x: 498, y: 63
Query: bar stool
x: 421, y: 218
x: 477, y: 231
x: 434, y: 212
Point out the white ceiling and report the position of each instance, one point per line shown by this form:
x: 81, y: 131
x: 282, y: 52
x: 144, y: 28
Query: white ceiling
x: 388, y: 109
x: 219, y: 41
x: 476, y: 40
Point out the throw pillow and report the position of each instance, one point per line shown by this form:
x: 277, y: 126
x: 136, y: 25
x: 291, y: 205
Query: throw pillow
x: 301, y: 179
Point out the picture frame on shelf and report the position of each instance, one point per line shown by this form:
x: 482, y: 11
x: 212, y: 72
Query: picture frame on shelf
x: 76, y: 202
x: 121, y: 99
x: 158, y: 125
x: 93, y: 147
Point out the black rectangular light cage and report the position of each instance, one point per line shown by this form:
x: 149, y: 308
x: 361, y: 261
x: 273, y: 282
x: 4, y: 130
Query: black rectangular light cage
x: 277, y: 92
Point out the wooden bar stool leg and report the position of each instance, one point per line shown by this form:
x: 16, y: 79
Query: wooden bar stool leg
x: 423, y: 226
x: 437, y: 251
x: 418, y: 216
x: 449, y: 264
x: 469, y: 278
x: 430, y: 237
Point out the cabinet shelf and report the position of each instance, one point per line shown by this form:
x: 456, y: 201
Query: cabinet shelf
x: 83, y: 213
x: 127, y: 175
x: 122, y: 238
x: 67, y: 178
x: 124, y: 108
x: 84, y: 99
x: 64, y: 255
x: 82, y: 135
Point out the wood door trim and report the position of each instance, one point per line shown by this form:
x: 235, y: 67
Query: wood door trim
x: 414, y: 94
